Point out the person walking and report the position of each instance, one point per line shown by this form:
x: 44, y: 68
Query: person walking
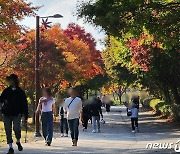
x: 108, y: 107
x: 106, y: 101
x: 86, y: 116
x: 100, y: 102
x: 47, y: 107
x: 73, y: 107
x: 14, y: 106
x: 96, y: 111
x: 63, y: 120
x: 134, y: 116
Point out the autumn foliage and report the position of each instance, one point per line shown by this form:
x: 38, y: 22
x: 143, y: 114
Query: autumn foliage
x: 12, y: 11
x: 64, y: 60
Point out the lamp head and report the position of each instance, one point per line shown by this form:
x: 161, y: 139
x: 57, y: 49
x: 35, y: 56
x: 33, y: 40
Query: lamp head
x: 57, y: 16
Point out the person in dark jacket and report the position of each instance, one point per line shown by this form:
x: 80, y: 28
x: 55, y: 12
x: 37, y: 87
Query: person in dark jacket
x: 63, y: 120
x: 86, y: 116
x: 108, y: 107
x: 100, y: 102
x: 14, y: 106
x: 96, y: 111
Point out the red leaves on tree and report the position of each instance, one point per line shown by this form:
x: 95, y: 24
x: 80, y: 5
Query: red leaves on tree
x: 141, y: 51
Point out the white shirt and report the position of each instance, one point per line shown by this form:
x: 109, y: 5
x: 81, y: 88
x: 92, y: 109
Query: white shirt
x: 74, y: 109
x: 47, y: 106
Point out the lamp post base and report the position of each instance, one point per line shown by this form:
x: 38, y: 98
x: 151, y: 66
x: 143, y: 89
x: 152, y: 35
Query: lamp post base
x: 37, y: 134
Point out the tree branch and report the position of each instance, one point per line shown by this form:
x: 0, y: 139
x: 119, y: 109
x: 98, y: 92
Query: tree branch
x: 4, y: 61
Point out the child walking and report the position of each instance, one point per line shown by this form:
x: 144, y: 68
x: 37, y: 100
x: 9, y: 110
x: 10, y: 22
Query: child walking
x: 134, y: 117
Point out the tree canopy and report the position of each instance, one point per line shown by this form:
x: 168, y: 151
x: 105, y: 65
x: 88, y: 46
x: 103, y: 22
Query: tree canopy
x: 142, y: 46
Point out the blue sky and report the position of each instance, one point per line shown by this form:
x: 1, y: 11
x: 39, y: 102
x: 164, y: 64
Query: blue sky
x: 67, y: 9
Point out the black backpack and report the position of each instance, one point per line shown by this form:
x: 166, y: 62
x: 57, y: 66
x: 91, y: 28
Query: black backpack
x: 129, y: 113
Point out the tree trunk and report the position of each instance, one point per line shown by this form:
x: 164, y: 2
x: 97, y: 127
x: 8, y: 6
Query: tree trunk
x: 175, y: 94
x: 87, y: 93
x: 120, y: 99
x: 114, y: 96
x: 167, y: 95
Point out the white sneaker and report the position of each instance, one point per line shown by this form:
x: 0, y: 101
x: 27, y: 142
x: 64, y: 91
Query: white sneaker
x: 133, y: 131
x: 66, y: 135
x: 62, y: 135
x: 94, y: 131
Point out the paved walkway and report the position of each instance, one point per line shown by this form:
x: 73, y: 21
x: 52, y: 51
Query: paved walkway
x: 116, y: 137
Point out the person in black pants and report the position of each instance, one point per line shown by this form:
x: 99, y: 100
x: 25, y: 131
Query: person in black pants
x: 134, y: 116
x: 86, y: 116
x: 15, y: 105
x: 63, y: 121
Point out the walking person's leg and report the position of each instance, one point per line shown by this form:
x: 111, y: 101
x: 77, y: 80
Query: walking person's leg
x: 50, y: 128
x: 132, y: 123
x: 85, y: 124
x: 62, y: 126
x: 76, y: 131
x: 8, y: 129
x: 136, y: 124
x: 94, y: 124
x: 71, y: 127
x: 98, y: 123
x: 44, y: 125
x: 17, y: 130
x: 66, y: 127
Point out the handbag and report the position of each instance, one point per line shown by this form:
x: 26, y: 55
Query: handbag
x: 129, y: 113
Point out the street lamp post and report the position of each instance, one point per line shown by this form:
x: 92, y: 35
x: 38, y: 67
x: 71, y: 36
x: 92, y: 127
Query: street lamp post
x: 37, y: 82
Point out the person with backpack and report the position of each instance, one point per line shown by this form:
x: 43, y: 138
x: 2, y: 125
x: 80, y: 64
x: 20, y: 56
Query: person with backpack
x: 15, y: 105
x: 96, y: 111
x: 47, y: 107
x: 73, y: 107
x: 134, y: 116
x: 63, y: 120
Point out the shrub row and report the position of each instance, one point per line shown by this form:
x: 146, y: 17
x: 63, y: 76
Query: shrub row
x: 163, y: 108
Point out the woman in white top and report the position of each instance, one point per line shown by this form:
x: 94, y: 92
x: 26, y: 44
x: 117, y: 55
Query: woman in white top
x: 47, y: 108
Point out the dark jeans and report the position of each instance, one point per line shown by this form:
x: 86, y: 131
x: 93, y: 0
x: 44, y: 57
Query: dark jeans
x: 14, y: 121
x: 134, y: 123
x: 47, y: 126
x: 74, y: 128
x: 64, y: 125
x: 85, y: 120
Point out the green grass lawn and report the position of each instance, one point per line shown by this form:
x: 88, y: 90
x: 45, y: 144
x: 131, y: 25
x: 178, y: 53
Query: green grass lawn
x: 3, y: 135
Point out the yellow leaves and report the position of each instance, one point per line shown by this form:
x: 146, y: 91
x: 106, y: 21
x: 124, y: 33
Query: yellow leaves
x: 109, y: 88
x: 69, y: 56
x: 169, y: 1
